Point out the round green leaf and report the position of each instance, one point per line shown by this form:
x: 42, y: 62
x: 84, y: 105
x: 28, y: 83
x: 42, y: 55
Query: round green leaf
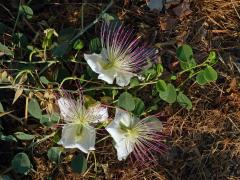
x: 126, y: 101
x: 139, y: 106
x: 78, y: 45
x: 23, y: 136
x: 21, y: 163
x: 161, y: 85
x: 54, y: 154
x: 79, y: 164
x: 169, y: 95
x: 49, y: 119
x: 210, y: 74
x: 200, y: 79
x: 8, y: 138
x: 34, y: 109
x: 184, y: 53
x: 26, y: 11
x: 134, y: 82
x: 95, y: 45
x: 184, y: 101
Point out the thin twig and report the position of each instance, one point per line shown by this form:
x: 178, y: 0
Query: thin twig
x: 235, y: 9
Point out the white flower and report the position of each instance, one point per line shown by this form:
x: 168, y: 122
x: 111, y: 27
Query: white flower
x: 121, y: 57
x: 78, y: 132
x: 131, y: 134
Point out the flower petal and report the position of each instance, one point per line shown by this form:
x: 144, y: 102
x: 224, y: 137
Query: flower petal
x: 97, y: 113
x: 124, y: 148
x: 95, y: 61
x: 115, y: 131
x: 107, y: 75
x: 65, y: 106
x: 123, y: 117
x: 122, y: 145
x: 78, y: 136
x: 123, y: 78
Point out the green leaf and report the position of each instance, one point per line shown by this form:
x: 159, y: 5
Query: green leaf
x: 184, y: 101
x: 159, y: 68
x: 212, y: 57
x: 200, y: 79
x: 23, y: 136
x: 210, y: 74
x: 150, y: 73
x: 1, y: 108
x: 20, y: 40
x: 139, y: 106
x: 78, y: 45
x: 66, y: 34
x: 60, y: 50
x: 110, y: 17
x: 3, y: 28
x: 34, y: 109
x: 95, y: 45
x: 26, y: 11
x: 184, y: 53
x: 21, y: 163
x: 114, y: 92
x: 54, y: 154
x: 79, y: 164
x: 9, y: 138
x: 47, y: 41
x: 4, y: 49
x: 173, y: 77
x: 161, y: 85
x: 49, y: 119
x: 126, y: 101
x: 134, y: 82
x: 44, y: 80
x: 206, y: 75
x: 169, y: 95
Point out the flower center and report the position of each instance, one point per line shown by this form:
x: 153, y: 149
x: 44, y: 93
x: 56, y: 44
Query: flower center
x: 131, y: 132
x: 78, y: 134
x: 109, y: 65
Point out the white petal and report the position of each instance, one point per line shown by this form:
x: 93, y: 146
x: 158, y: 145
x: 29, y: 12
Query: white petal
x: 123, y: 117
x: 123, y: 78
x: 124, y: 148
x: 95, y: 61
x: 122, y: 145
x: 97, y: 113
x: 65, y: 106
x: 108, y: 75
x: 115, y: 131
x: 78, y: 136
